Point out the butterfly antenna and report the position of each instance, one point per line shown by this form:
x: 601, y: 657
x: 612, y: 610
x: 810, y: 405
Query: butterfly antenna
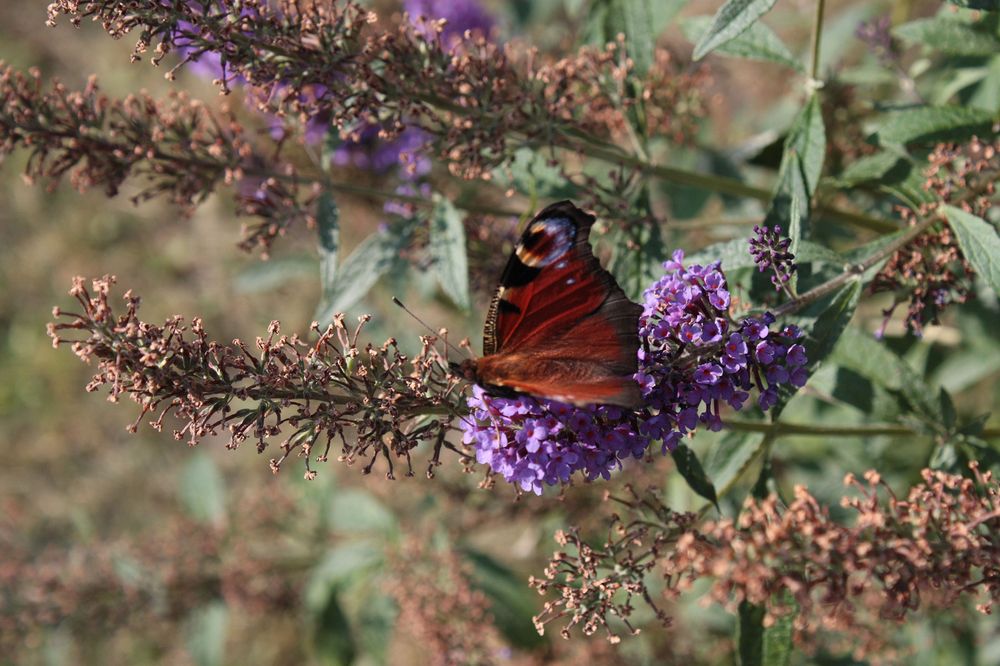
x: 420, y: 321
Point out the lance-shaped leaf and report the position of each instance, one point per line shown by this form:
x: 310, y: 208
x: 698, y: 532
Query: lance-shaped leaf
x: 693, y: 473
x: 732, y: 19
x: 979, y: 242
x: 328, y: 236
x: 928, y: 124
x: 448, y: 251
x: 951, y: 35
x: 758, y: 42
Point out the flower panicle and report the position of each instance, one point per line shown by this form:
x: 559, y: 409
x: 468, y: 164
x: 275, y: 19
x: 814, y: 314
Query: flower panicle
x: 769, y: 250
x: 938, y: 543
x: 310, y: 396
x: 693, y: 359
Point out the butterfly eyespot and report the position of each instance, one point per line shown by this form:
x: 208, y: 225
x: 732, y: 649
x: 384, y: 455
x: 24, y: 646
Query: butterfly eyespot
x: 546, y: 241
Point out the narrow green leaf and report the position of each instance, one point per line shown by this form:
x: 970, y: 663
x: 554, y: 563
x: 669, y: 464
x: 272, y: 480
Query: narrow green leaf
x: 823, y: 323
x: 988, y: 5
x: 376, y: 620
x: 202, y: 489
x: 732, y: 19
x: 778, y: 637
x: 639, y: 253
x: 448, y: 251
x: 758, y: 42
x: 639, y: 37
x: 733, y: 453
x: 979, y: 242
x: 750, y: 640
x: 333, y: 641
x: 807, y: 139
x: 328, y: 233
x: 798, y: 176
x: 355, y: 277
x: 868, y: 168
x: 530, y: 173
x: 691, y: 470
x: 861, y: 352
x: 274, y: 273
x: 951, y: 35
x: 512, y: 603
x: 358, y: 510
x: 927, y: 124
x: 344, y: 565
x: 206, y: 634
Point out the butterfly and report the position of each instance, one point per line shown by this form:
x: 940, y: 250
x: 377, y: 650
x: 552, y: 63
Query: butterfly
x: 559, y: 326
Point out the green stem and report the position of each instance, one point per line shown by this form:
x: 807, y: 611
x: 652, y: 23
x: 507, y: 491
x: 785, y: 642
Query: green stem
x: 782, y: 429
x: 714, y: 183
x: 816, y: 38
x: 856, y: 270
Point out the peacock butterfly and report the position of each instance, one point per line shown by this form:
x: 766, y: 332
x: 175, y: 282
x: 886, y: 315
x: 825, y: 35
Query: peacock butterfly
x: 559, y: 326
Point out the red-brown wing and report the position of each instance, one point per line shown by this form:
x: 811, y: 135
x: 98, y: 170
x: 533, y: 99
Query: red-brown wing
x: 559, y: 325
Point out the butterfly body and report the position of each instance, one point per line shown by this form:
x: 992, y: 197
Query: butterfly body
x: 559, y: 326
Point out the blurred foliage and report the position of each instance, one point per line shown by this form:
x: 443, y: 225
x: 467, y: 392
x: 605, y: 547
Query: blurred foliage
x: 309, y: 571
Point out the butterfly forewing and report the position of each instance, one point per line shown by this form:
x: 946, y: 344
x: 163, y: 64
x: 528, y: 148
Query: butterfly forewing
x: 559, y: 325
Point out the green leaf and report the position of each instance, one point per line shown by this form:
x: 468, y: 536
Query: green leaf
x: 448, y: 251
x: 344, y: 565
x: 861, y: 352
x: 639, y: 37
x: 950, y: 35
x: 277, y: 272
x: 868, y: 168
x: 750, y: 640
x: 979, y: 242
x: 376, y: 620
x: 328, y: 235
x: 639, y: 253
x: 732, y: 19
x: 333, y: 641
x: 758, y: 42
x: 690, y: 468
x: 988, y: 5
x: 202, y: 489
x: 798, y: 176
x: 778, y: 641
x: 206, y: 634
x: 512, y: 603
x: 730, y: 456
x: 823, y: 323
x: 358, y: 510
x: 928, y: 124
x: 531, y: 174
x: 355, y: 277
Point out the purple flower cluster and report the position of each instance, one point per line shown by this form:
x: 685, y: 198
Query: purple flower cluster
x: 459, y: 16
x: 693, y: 358
x: 770, y: 250
x: 369, y: 151
x: 534, y: 442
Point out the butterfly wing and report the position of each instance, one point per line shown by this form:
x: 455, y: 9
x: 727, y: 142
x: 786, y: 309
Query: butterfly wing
x: 559, y: 325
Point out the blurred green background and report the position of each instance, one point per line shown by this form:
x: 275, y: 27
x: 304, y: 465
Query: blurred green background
x: 204, y: 557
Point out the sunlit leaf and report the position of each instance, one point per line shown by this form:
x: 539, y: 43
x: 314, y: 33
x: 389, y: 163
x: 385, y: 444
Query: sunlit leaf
x: 358, y: 510
x: 951, y: 35
x: 202, y: 489
x: 979, y: 242
x: 448, y: 251
x: 928, y: 124
x: 758, y: 42
x: 732, y: 19
x: 206, y: 634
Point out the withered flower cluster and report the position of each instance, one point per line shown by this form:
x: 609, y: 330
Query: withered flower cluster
x: 939, y: 543
x: 931, y: 272
x: 178, y: 146
x: 372, y: 399
x: 441, y: 608
x: 477, y: 102
x: 138, y: 583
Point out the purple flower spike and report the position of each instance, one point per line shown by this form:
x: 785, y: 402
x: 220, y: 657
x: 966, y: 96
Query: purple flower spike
x: 770, y: 251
